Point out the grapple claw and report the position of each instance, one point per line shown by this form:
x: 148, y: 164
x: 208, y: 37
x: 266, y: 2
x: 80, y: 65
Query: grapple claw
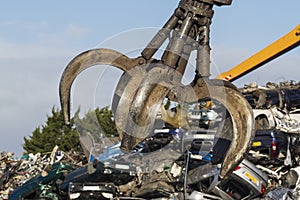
x: 141, y: 90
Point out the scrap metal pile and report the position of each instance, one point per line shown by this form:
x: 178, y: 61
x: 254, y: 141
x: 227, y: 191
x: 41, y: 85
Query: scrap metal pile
x: 147, y: 173
x: 275, y: 105
x: 15, y: 172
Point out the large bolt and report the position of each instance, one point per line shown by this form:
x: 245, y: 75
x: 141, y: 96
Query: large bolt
x: 297, y: 32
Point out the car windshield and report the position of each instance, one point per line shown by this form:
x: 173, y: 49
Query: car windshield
x: 251, y: 99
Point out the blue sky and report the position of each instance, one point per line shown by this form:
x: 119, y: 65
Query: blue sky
x: 39, y: 38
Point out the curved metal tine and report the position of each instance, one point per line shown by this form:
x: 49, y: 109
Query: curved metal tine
x: 84, y: 61
x: 144, y: 105
x: 238, y: 108
x: 124, y: 96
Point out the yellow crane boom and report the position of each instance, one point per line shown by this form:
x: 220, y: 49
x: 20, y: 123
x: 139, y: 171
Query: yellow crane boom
x: 269, y: 53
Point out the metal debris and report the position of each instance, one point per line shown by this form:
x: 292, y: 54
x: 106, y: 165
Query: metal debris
x: 15, y: 172
x: 284, y: 181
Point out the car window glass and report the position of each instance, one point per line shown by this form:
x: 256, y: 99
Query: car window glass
x: 236, y: 189
x: 292, y: 97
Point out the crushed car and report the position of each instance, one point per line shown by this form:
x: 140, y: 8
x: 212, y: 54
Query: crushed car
x: 269, y: 146
x: 273, y: 147
x: 246, y: 182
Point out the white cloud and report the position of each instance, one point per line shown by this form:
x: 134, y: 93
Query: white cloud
x: 24, y: 25
x: 10, y: 50
x: 26, y: 39
x: 76, y: 31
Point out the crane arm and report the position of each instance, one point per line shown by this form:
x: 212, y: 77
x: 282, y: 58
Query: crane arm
x: 284, y: 44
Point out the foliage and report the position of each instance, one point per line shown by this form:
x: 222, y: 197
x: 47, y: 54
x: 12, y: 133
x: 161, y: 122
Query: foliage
x: 54, y: 132
x: 168, y: 104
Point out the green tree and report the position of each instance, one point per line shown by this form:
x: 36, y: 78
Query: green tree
x: 54, y: 132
